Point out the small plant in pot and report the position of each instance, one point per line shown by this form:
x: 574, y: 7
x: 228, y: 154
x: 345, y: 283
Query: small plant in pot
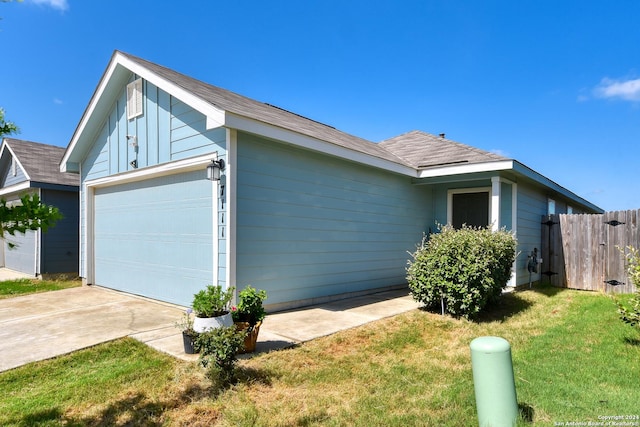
x: 189, y: 335
x: 218, y: 350
x: 249, y: 314
x: 211, y: 307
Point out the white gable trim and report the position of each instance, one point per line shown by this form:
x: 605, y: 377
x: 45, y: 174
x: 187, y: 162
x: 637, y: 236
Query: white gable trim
x: 214, y: 115
x: 5, y: 146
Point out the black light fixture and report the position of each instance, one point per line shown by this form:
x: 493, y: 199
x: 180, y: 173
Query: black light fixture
x: 214, y: 169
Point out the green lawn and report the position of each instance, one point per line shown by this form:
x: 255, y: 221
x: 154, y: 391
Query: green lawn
x: 574, y: 361
x: 12, y: 288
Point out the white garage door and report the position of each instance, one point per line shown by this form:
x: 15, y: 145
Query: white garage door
x: 154, y: 237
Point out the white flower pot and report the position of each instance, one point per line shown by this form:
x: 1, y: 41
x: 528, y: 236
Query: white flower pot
x: 201, y: 324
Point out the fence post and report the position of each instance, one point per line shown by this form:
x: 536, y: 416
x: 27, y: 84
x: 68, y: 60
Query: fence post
x: 493, y: 382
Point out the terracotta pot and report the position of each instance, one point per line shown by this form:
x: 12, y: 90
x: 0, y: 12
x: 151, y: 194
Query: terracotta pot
x: 201, y: 324
x: 252, y: 336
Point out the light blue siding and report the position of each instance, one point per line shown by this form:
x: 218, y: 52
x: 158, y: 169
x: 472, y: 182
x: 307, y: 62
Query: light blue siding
x: 532, y: 204
x: 311, y: 226
x: 506, y: 207
x: 154, y: 237
x: 168, y: 130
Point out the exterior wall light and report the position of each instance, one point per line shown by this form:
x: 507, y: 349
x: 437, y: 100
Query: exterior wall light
x: 214, y: 169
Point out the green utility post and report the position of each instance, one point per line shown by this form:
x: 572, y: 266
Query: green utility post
x: 493, y: 382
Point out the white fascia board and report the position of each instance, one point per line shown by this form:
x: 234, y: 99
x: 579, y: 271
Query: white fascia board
x: 465, y: 169
x: 266, y: 130
x: 25, y: 185
x: 88, y: 114
x: 186, y: 165
x: 214, y: 116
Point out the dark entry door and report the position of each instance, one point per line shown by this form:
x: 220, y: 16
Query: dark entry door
x: 471, y: 209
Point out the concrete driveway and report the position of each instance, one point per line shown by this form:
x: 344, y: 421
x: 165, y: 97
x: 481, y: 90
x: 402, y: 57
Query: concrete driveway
x: 45, y: 325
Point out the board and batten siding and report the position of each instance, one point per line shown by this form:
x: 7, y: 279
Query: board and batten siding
x: 310, y: 227
x: 168, y: 130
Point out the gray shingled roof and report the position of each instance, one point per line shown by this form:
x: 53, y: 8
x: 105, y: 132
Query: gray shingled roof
x: 41, y: 162
x: 246, y: 107
x: 423, y: 150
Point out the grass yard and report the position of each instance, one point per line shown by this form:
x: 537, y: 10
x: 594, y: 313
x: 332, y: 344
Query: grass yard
x: 13, y: 288
x: 574, y: 361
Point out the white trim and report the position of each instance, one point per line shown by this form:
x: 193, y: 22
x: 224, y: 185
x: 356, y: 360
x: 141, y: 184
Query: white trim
x: 38, y: 245
x: 451, y: 192
x: 215, y: 228
x: 496, y: 189
x: 171, y: 168
x: 231, y: 194
x: 277, y: 133
x: 463, y: 169
x: 89, y: 259
x: 25, y: 185
x: 513, y: 282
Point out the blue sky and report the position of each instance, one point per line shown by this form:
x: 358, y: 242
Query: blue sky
x: 553, y: 84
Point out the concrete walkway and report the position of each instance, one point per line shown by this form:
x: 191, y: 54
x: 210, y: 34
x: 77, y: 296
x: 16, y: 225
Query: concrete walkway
x: 41, y: 326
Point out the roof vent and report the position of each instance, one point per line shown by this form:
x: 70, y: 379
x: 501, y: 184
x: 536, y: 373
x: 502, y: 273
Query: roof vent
x: 134, y: 99
x: 442, y: 135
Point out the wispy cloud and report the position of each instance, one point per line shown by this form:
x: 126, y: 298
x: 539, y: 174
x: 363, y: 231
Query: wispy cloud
x: 500, y: 152
x: 628, y: 90
x: 58, y: 101
x: 56, y: 4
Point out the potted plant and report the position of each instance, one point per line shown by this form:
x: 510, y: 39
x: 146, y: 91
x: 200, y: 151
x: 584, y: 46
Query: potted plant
x: 249, y: 314
x: 211, y: 307
x: 185, y: 324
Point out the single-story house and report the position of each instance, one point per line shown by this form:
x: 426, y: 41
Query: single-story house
x: 300, y: 209
x: 29, y: 167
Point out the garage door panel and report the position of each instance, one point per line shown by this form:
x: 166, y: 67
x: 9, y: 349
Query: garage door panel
x: 154, y: 238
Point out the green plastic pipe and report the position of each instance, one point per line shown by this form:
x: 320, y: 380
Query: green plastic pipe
x: 495, y: 388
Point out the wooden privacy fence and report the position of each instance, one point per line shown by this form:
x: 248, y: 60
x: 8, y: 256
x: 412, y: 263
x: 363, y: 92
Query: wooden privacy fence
x: 588, y: 251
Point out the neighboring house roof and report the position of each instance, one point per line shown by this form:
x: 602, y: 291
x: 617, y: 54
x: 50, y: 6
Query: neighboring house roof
x: 423, y: 150
x: 40, y: 162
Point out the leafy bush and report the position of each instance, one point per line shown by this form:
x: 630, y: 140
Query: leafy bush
x: 212, y: 301
x: 250, y: 308
x: 631, y: 316
x: 218, y: 349
x: 464, y: 269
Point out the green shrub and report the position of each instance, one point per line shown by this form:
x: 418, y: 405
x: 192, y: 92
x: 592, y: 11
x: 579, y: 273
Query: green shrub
x: 631, y: 315
x: 218, y: 353
x: 212, y: 301
x: 464, y: 269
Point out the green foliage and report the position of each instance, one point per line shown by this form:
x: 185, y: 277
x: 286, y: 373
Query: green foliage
x: 465, y: 269
x: 212, y: 301
x: 29, y: 214
x: 7, y: 128
x: 218, y: 349
x: 631, y: 315
x: 250, y: 308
